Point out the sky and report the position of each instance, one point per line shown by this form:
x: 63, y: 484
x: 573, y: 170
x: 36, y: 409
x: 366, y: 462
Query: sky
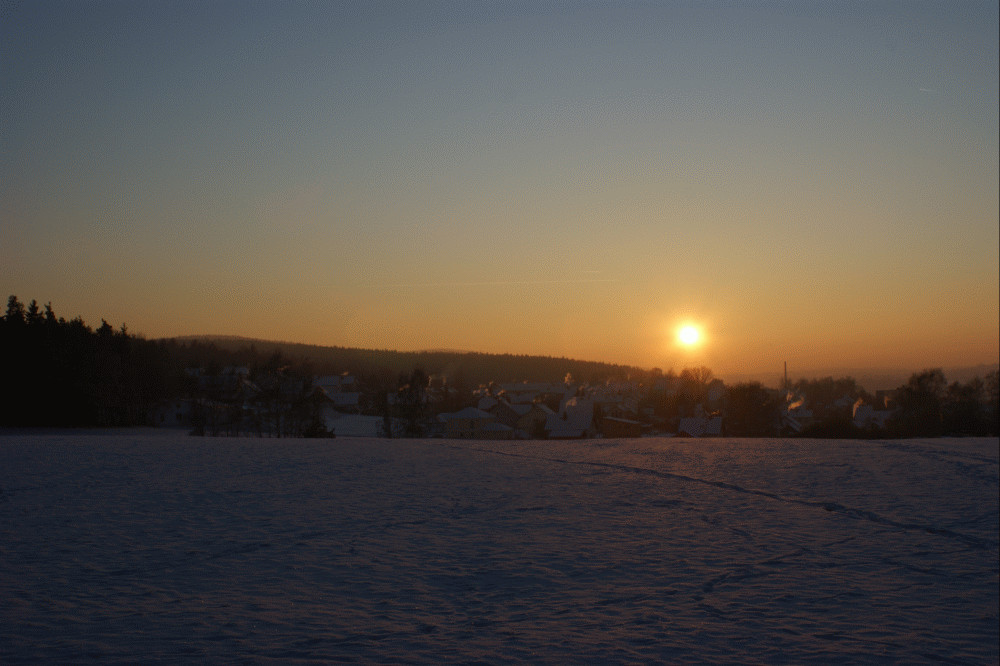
x: 807, y: 182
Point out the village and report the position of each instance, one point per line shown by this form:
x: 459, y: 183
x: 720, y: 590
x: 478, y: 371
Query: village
x: 237, y: 390
x: 692, y: 404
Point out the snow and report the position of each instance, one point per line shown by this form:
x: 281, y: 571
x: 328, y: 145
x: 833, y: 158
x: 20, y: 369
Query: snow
x: 162, y: 548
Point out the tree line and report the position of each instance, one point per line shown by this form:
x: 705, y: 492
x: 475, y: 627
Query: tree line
x: 65, y: 373
x: 377, y: 366
x: 925, y: 406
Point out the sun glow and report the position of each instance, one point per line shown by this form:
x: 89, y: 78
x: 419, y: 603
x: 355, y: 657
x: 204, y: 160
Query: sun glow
x: 688, y: 335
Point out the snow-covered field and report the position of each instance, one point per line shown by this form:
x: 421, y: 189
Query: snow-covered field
x: 155, y: 547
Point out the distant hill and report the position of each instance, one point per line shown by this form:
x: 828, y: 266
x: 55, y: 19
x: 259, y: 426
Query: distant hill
x: 473, y: 368
x: 467, y: 368
x: 872, y: 379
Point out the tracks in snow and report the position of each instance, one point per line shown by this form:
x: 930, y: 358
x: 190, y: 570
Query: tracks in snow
x: 835, y: 507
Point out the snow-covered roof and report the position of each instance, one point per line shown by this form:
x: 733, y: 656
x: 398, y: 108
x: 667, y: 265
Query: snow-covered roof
x: 334, y: 383
x: 345, y: 399
x: 575, y: 419
x: 522, y: 397
x: 467, y: 413
x: 578, y: 412
x: 520, y: 409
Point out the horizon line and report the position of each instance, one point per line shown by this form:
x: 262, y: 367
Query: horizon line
x: 816, y: 371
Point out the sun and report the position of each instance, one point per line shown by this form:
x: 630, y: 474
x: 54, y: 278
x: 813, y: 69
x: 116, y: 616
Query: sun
x: 688, y: 335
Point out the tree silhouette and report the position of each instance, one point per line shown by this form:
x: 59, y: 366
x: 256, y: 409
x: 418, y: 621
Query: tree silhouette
x: 960, y: 408
x: 750, y: 410
x: 991, y: 404
x: 15, y: 314
x: 411, y: 401
x: 63, y: 373
x: 919, y: 402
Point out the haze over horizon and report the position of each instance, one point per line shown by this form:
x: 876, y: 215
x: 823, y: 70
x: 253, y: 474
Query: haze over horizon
x: 814, y: 183
x: 872, y: 378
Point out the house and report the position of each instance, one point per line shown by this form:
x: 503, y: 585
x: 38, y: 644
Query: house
x: 510, y: 414
x: 343, y: 383
x: 340, y: 390
x: 533, y: 424
x: 613, y: 427
x: 866, y: 417
x: 611, y: 402
x: 575, y: 420
x: 700, y: 426
x: 345, y: 402
x: 532, y: 388
x: 357, y: 425
x: 527, y: 420
x: 495, y: 430
x: 669, y: 385
x: 795, y: 416
x: 473, y: 423
x: 172, y: 413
